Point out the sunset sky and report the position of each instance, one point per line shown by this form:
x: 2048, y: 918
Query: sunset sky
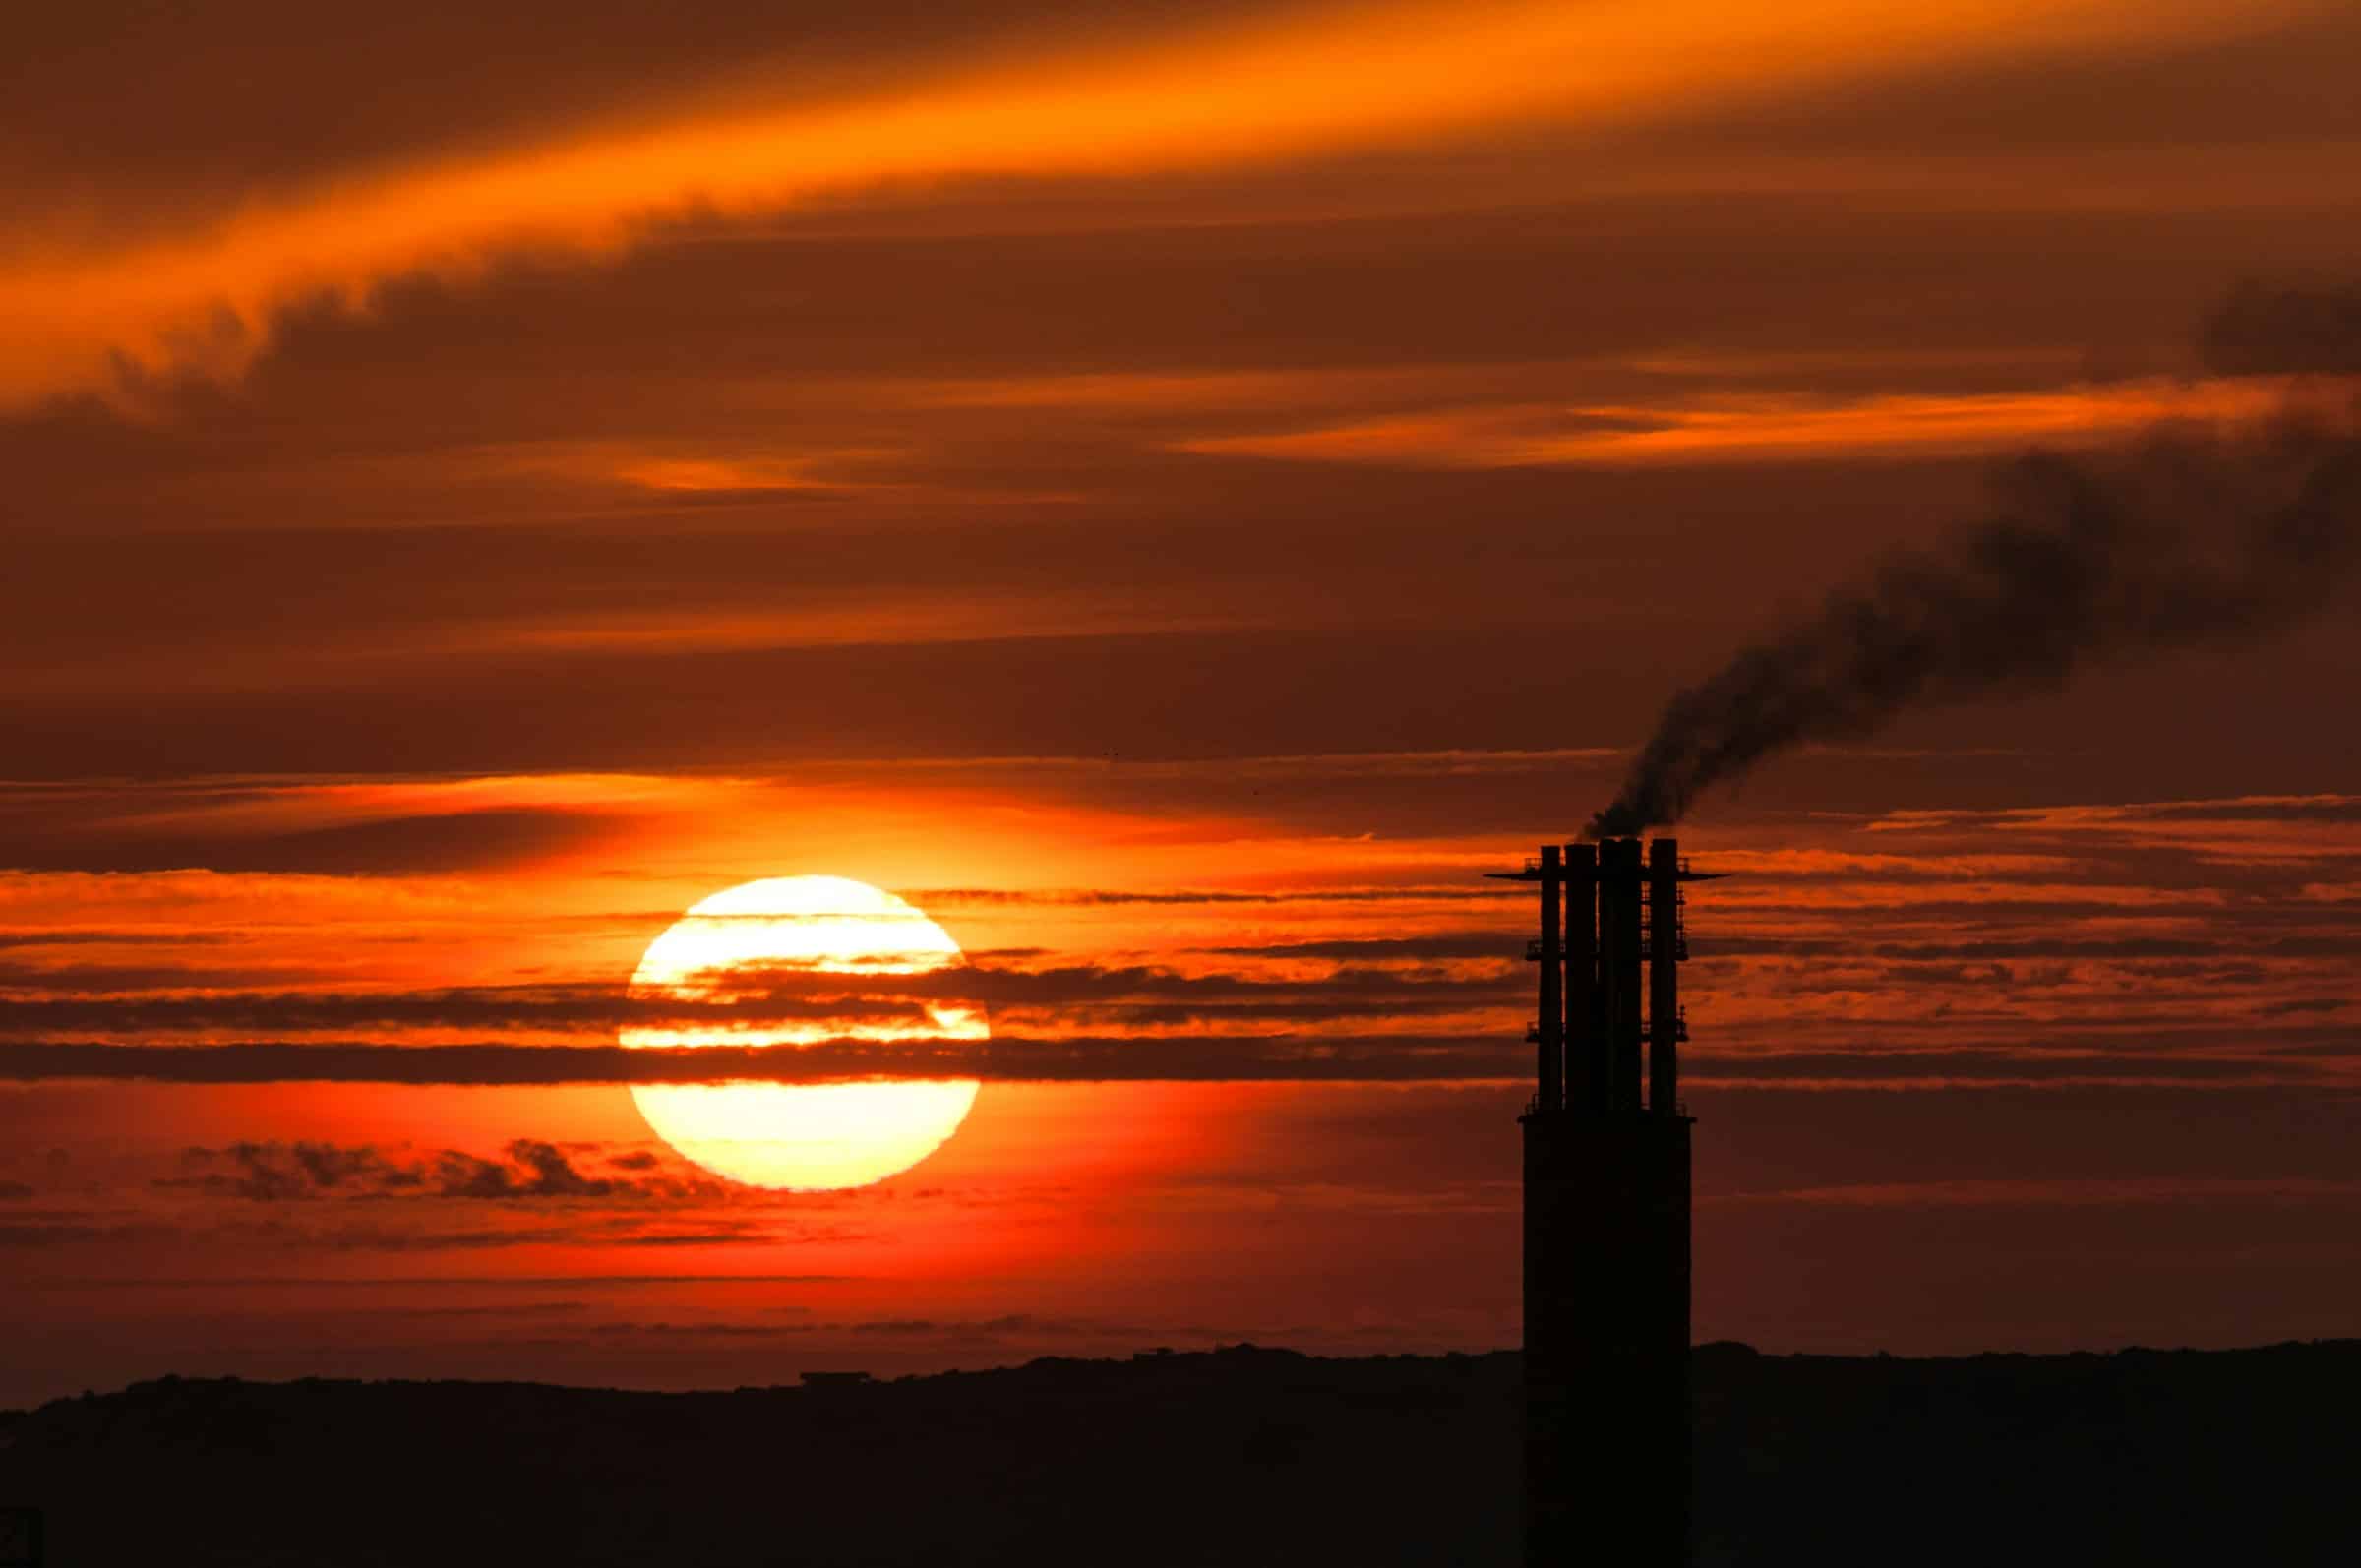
x: 1176, y: 493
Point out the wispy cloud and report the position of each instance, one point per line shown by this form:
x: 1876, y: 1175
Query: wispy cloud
x: 529, y: 1168
x: 2263, y: 1053
x: 1755, y: 429
x: 1275, y: 89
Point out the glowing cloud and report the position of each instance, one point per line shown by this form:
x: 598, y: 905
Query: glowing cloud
x: 1760, y: 429
x: 77, y: 317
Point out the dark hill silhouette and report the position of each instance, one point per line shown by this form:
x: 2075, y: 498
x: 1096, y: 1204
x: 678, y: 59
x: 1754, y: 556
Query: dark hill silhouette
x: 1237, y: 1456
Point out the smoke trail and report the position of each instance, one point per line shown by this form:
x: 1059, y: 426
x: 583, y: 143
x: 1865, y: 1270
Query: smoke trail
x: 2261, y: 331
x: 2188, y: 539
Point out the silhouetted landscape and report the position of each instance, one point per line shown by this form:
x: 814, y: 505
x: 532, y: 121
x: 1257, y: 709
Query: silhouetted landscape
x: 1241, y: 1454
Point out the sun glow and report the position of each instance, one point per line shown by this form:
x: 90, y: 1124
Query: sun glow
x: 804, y: 1137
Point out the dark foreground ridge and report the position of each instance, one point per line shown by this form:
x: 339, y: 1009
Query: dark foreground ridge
x: 1237, y: 1456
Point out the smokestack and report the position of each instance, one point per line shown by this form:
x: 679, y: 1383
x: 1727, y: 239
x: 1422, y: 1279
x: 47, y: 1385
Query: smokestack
x: 1607, y: 1216
x: 1550, y: 1030
x: 1665, y: 945
x: 1586, y: 1051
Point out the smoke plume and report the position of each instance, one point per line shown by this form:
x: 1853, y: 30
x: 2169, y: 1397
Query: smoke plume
x: 2265, y: 331
x: 2189, y: 538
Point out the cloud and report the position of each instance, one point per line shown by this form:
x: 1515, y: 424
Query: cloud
x: 1727, y: 429
x: 2053, y: 1192
x: 400, y: 846
x: 628, y: 1231
x: 2235, y: 1051
x: 365, y: 826
x: 1271, y: 90
x: 751, y: 997
x: 1935, y: 1069
x: 931, y: 897
x: 105, y: 937
x: 1430, y: 947
x: 302, y: 1170
x: 529, y: 1168
x: 1074, y: 1059
x: 33, y: 1233
x: 596, y: 1008
x: 442, y: 1282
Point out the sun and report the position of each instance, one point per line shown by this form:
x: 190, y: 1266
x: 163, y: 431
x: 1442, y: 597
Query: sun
x: 804, y: 1137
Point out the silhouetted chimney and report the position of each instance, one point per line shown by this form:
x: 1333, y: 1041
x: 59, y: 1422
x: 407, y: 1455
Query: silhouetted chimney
x: 1607, y: 1214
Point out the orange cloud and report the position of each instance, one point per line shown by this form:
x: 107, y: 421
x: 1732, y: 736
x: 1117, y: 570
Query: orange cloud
x: 1301, y: 85
x: 1757, y: 429
x: 686, y: 473
x: 905, y: 619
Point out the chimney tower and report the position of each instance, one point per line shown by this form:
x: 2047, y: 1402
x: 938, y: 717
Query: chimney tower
x: 1607, y: 1212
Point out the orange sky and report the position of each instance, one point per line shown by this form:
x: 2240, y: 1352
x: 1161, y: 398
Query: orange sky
x: 1178, y: 494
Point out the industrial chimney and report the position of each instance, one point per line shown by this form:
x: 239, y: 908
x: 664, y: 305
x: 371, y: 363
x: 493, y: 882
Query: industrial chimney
x: 1606, y: 1211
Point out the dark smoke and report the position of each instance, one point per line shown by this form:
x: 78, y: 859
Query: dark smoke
x: 2187, y: 539
x: 2264, y: 331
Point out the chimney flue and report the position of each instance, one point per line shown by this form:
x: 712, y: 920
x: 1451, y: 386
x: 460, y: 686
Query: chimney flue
x: 1619, y: 906
x: 1550, y: 1030
x: 1586, y: 1055
x: 1663, y: 976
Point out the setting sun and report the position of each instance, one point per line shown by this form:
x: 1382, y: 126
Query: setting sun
x: 806, y: 1137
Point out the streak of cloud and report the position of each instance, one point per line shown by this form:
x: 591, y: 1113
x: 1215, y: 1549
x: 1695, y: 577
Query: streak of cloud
x: 1758, y: 429
x: 1279, y: 88
x: 529, y: 1168
x: 752, y: 997
x: 1306, y: 1057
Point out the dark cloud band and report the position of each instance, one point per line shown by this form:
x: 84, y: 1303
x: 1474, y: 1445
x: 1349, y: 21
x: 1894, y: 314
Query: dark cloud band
x: 1293, y: 1058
